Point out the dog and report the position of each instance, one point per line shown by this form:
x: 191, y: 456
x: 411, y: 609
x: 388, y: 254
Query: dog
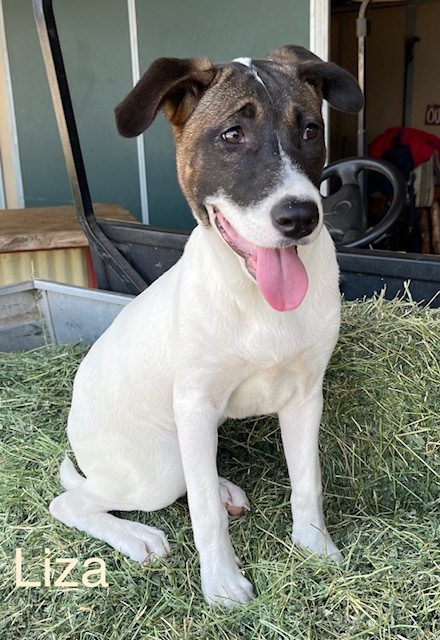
x: 242, y: 325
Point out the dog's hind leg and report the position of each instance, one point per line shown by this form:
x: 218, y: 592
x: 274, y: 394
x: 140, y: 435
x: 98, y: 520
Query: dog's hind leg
x: 233, y: 498
x: 79, y: 508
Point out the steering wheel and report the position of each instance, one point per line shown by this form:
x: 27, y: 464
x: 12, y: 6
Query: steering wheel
x: 345, y: 214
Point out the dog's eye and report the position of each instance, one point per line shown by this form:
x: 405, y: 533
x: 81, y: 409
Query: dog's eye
x: 234, y: 135
x: 311, y: 131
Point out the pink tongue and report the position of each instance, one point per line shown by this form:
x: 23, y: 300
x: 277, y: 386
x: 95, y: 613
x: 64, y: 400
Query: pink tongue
x: 281, y: 277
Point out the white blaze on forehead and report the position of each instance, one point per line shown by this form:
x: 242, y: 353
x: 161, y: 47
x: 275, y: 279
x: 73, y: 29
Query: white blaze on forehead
x: 247, y: 62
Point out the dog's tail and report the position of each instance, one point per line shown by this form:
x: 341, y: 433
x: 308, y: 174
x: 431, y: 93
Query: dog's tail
x: 69, y: 476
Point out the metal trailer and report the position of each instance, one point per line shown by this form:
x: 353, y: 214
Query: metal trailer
x: 37, y: 313
x: 128, y: 257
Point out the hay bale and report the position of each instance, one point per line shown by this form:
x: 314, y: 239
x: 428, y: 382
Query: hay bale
x: 380, y: 453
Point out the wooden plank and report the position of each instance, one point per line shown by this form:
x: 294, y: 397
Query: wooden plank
x: 40, y: 228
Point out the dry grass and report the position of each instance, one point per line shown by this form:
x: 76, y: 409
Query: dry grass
x: 380, y: 453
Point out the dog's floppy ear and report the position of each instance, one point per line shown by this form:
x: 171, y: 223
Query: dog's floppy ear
x: 173, y: 84
x: 337, y: 86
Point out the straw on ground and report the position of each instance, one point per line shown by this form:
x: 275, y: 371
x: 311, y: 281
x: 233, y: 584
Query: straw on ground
x: 380, y: 454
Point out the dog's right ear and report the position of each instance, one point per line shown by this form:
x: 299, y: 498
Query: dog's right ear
x: 336, y: 85
x: 172, y: 84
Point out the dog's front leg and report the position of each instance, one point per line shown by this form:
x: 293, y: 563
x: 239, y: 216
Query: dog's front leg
x: 197, y: 422
x: 300, y: 429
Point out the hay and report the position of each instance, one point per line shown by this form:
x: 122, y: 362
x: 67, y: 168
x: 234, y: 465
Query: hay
x: 380, y: 453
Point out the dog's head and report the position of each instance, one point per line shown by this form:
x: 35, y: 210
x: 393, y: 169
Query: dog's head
x: 250, y: 151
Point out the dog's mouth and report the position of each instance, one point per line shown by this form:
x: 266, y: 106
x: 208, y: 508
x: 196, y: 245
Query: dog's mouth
x: 279, y: 273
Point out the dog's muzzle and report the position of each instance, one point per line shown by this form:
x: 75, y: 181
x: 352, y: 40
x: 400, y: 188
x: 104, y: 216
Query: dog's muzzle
x: 279, y: 273
x: 295, y: 219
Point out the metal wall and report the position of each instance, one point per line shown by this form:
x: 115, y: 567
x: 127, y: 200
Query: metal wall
x: 69, y: 266
x: 95, y: 40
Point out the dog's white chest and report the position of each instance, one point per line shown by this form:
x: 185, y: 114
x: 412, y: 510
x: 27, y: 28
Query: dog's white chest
x: 264, y: 392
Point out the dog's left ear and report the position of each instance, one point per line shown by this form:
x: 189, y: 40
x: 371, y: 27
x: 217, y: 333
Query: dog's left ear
x: 337, y: 86
x: 172, y: 84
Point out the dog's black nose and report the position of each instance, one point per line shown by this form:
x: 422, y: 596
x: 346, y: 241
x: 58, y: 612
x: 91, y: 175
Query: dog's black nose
x: 295, y: 219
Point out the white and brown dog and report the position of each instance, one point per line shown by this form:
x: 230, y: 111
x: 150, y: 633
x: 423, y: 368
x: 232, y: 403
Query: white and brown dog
x: 243, y: 325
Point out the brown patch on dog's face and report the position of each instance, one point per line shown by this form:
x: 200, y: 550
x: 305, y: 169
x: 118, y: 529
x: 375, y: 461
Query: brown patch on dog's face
x: 236, y: 125
x: 235, y: 138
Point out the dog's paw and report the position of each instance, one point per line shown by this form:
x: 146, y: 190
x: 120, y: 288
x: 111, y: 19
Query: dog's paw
x: 233, y: 498
x: 317, y: 541
x: 147, y: 543
x: 227, y: 588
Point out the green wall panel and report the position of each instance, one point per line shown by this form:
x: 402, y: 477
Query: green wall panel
x: 95, y: 41
x: 44, y: 175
